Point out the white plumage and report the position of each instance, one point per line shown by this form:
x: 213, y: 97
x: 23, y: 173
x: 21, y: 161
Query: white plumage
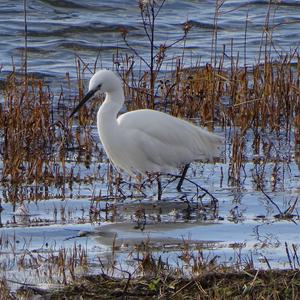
x: 146, y: 140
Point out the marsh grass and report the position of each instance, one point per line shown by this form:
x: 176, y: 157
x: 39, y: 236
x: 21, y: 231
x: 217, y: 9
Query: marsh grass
x: 197, y: 275
x: 259, y: 102
x: 220, y: 282
x: 215, y: 285
x: 262, y: 101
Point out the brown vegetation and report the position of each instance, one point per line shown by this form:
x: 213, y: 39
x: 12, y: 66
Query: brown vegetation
x: 262, y: 101
x: 215, y: 285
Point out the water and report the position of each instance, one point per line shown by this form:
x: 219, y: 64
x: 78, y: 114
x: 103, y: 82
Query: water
x: 243, y: 225
x: 57, y: 30
x: 245, y: 221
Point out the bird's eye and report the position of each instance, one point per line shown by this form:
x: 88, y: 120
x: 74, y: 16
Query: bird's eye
x: 99, y: 87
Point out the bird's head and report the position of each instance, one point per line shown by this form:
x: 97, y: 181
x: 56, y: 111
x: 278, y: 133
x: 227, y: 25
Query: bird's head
x: 103, y: 81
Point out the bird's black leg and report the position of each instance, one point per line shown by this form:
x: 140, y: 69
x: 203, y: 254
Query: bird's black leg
x: 182, y: 177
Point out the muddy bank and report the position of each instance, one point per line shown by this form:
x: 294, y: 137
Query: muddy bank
x: 275, y: 284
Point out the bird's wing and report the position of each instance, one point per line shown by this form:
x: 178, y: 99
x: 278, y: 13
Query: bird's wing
x: 167, y: 140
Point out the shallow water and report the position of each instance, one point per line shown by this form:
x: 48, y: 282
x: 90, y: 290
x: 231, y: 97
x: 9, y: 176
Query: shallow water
x: 243, y: 225
x: 245, y: 222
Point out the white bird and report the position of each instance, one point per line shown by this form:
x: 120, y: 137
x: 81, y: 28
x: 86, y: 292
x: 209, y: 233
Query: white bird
x: 146, y: 141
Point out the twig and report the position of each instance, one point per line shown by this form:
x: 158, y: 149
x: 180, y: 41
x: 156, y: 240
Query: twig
x: 296, y: 254
x: 25, y: 47
x: 291, y: 208
x: 135, y: 52
x: 184, y: 287
x: 197, y: 185
x: 269, y: 198
x: 288, y: 255
x: 128, y: 279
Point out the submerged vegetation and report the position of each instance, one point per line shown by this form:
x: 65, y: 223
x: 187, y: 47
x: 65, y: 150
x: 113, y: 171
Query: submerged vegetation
x: 43, y: 153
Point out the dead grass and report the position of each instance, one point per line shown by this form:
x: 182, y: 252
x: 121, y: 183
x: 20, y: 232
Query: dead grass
x: 215, y: 285
x: 38, y: 139
x: 5, y: 290
x: 262, y: 100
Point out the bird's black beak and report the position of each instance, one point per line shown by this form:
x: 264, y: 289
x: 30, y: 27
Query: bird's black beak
x: 89, y: 95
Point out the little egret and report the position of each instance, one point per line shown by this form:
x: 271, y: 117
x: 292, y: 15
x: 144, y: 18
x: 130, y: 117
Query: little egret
x: 146, y: 141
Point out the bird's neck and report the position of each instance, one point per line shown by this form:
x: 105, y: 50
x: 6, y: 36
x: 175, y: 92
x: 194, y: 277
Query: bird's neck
x: 109, y: 109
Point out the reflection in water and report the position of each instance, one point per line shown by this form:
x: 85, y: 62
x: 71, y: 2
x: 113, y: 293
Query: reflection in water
x: 297, y: 153
x: 83, y: 218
